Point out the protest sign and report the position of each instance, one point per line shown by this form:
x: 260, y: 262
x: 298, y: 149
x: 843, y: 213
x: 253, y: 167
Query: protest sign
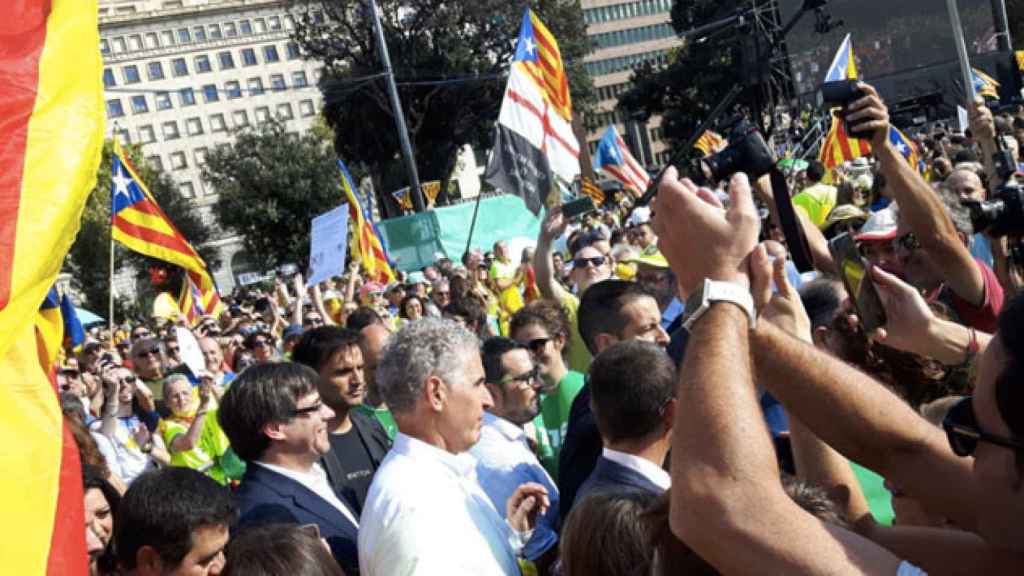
x: 327, y: 245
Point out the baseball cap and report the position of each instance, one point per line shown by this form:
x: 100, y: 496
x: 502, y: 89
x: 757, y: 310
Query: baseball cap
x: 845, y: 212
x: 292, y: 331
x: 641, y: 215
x: 416, y: 278
x: 654, y: 260
x: 370, y: 287
x: 881, y: 225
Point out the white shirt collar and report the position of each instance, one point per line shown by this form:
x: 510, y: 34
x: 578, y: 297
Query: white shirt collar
x: 463, y: 465
x: 504, y: 427
x: 645, y: 467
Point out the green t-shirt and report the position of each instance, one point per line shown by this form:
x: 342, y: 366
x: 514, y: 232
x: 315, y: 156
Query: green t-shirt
x: 579, y: 357
x: 553, y: 420
x: 206, y: 456
x: 879, y: 499
x: 383, y: 415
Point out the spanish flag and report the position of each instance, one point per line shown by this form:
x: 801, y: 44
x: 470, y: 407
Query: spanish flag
x: 51, y: 103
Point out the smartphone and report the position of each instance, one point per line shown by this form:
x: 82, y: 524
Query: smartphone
x: 857, y: 279
x: 578, y: 207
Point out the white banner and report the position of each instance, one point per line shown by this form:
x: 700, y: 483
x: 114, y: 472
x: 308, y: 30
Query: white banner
x: 327, y: 245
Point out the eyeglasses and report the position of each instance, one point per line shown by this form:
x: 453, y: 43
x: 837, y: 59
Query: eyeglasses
x: 537, y: 344
x: 308, y: 409
x: 583, y: 262
x: 260, y: 343
x: 962, y: 430
x: 173, y: 349
x: 150, y: 352
x: 127, y: 380
x: 533, y: 376
x: 314, y: 321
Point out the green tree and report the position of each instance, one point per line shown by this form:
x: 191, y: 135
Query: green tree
x: 431, y: 42
x: 271, y: 183
x: 88, y: 262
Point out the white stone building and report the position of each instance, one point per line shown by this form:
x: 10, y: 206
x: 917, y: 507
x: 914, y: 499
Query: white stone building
x: 180, y: 74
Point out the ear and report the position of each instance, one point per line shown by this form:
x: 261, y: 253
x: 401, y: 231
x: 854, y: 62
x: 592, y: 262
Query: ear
x: 818, y: 335
x: 604, y: 340
x: 668, y: 417
x: 274, y: 430
x: 435, y: 393
x: 147, y: 561
x: 559, y: 341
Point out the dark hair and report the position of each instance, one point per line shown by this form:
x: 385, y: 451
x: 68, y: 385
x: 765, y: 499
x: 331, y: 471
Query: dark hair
x: 815, y: 171
x: 405, y: 303
x: 822, y: 298
x: 815, y: 500
x: 601, y: 307
x: 604, y: 534
x: 1009, y: 395
x: 547, y: 313
x: 630, y: 383
x: 491, y: 353
x: 278, y: 550
x: 250, y: 341
x: 163, y: 508
x: 261, y: 394
x: 317, y: 346
x: 467, y: 308
x: 362, y: 317
x: 96, y: 478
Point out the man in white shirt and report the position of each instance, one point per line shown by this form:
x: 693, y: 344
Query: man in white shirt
x: 504, y: 458
x: 273, y: 415
x: 632, y: 388
x: 425, y: 512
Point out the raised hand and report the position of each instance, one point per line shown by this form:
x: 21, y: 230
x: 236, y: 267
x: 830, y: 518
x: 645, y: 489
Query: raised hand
x: 525, y: 504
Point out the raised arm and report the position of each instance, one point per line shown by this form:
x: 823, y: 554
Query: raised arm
x: 551, y: 227
x: 300, y: 289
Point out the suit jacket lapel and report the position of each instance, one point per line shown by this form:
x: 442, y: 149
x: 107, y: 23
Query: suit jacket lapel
x: 304, y: 498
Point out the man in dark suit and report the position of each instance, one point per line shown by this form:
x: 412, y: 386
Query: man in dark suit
x: 632, y: 387
x: 610, y: 311
x: 358, y: 442
x: 273, y: 415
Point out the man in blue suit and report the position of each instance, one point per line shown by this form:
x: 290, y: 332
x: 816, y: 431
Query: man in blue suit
x: 277, y: 423
x: 632, y: 387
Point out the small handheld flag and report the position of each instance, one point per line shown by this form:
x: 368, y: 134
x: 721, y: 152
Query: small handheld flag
x: 844, y: 65
x: 984, y: 85
x: 710, y: 142
x: 613, y: 157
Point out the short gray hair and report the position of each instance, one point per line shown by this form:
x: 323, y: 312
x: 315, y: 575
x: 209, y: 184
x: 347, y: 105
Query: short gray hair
x: 176, y: 378
x: 424, y: 348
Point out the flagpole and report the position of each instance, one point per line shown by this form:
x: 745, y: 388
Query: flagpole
x: 110, y: 288
x: 961, y: 50
x: 472, y: 224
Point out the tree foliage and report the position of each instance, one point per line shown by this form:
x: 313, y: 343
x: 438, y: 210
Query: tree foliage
x: 270, y: 184
x: 88, y: 262
x: 431, y: 42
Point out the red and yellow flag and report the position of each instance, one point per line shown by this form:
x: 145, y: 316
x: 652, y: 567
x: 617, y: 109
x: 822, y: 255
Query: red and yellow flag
x: 365, y: 240
x: 839, y: 147
x: 51, y: 106
x: 710, y: 142
x: 537, y: 52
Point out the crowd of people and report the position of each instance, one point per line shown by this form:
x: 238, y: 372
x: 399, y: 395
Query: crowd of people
x: 648, y: 390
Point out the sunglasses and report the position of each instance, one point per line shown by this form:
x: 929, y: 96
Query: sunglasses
x: 523, y: 380
x: 962, y: 430
x: 313, y: 321
x: 260, y: 343
x: 537, y: 345
x: 173, y: 349
x: 127, y: 380
x: 150, y: 352
x: 584, y: 262
x: 308, y: 409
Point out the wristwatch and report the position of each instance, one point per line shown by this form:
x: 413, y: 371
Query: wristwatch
x: 713, y: 291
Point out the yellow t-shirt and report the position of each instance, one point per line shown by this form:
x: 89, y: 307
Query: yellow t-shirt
x: 579, y: 356
x: 817, y: 202
x: 510, y: 298
x: 165, y: 307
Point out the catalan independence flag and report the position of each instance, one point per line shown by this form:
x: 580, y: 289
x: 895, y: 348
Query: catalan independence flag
x: 51, y: 103
x: 844, y: 65
x: 984, y: 85
x: 138, y: 222
x: 905, y: 146
x: 538, y: 53
x: 839, y: 147
x: 710, y: 143
x: 366, y: 239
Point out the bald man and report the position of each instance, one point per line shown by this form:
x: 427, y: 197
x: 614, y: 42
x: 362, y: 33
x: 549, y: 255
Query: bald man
x: 373, y: 339
x: 214, y: 357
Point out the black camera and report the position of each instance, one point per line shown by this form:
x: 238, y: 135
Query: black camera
x: 747, y: 152
x: 1002, y: 215
x: 840, y: 94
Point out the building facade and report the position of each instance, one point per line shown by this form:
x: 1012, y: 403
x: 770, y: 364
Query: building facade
x: 180, y: 75
x: 626, y: 34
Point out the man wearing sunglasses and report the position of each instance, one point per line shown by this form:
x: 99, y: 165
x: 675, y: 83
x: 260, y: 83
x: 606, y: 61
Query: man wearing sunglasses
x: 504, y: 457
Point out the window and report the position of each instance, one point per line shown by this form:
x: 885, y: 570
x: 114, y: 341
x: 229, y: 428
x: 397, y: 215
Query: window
x: 292, y: 49
x: 249, y: 57
x: 240, y: 118
x: 163, y: 101
x: 277, y: 82
x: 194, y: 126
x: 114, y: 108
x: 123, y: 137
x: 306, y: 108
x: 155, y: 71
x: 180, y: 67
x: 152, y: 40
x: 318, y: 17
x: 284, y: 111
x: 146, y: 134
x: 187, y: 96
x: 289, y: 22
x: 260, y: 25
x: 245, y: 27
x: 104, y: 46
x: 139, y: 105
x: 200, y: 156
x: 155, y: 162
x: 170, y: 130
x: 131, y: 74
x: 217, y: 123
x: 118, y: 45
x: 255, y: 86
x: 187, y: 190
x: 262, y: 114
x: 135, y: 42
x: 270, y: 54
x: 229, y: 30
x: 184, y: 37
x: 108, y: 78
x: 178, y: 161
x: 233, y: 88
x: 227, y: 61
x: 299, y: 79
x: 210, y: 93
x: 199, y: 33
x: 167, y: 38
x: 275, y: 22
x: 215, y: 32
x: 202, y: 64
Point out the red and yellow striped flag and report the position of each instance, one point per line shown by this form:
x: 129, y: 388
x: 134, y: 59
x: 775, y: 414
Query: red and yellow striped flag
x: 839, y: 147
x: 590, y: 188
x: 710, y: 142
x: 51, y: 103
x: 537, y: 52
x: 365, y: 239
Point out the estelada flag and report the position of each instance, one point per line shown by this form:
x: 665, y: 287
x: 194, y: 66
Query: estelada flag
x: 51, y: 103
x: 710, y: 143
x: 839, y: 147
x: 534, y: 143
x: 984, y: 85
x: 844, y: 65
